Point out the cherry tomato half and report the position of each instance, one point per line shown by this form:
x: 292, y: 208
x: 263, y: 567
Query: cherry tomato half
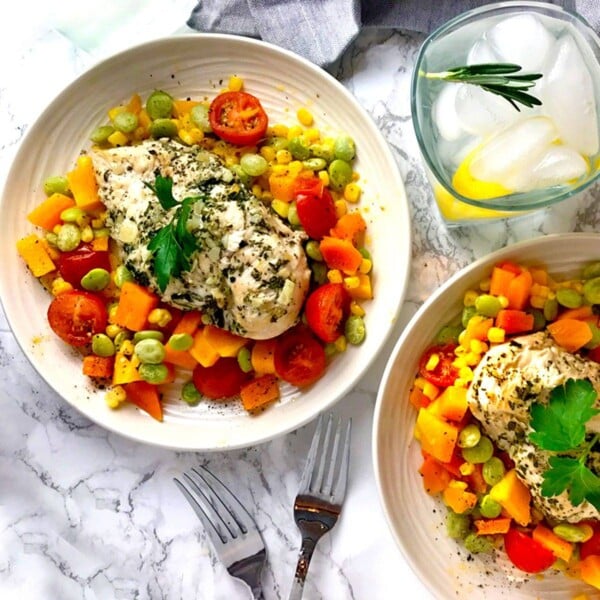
x: 222, y: 380
x: 526, y: 553
x: 76, y: 316
x: 445, y: 373
x: 72, y: 266
x: 326, y: 310
x: 299, y: 357
x: 316, y: 212
x: 238, y: 118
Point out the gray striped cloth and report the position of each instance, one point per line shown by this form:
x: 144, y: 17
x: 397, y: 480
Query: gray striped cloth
x: 321, y: 30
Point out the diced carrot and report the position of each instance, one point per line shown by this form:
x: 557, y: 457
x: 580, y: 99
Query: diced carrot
x: 47, y: 214
x: 500, y: 280
x: 458, y: 498
x: 145, y: 396
x: 340, y: 254
x: 262, y: 356
x: 559, y: 547
x: 259, y: 392
x: 519, y: 290
x: 188, y: 323
x: 476, y: 480
x: 492, y: 526
x: 435, y: 477
x: 514, y: 321
x: 135, y: 304
x: 477, y: 329
x: 418, y: 399
x: 100, y: 367
x: 83, y: 184
x: 509, y: 265
x: 350, y: 227
x: 582, y: 313
x: 571, y: 334
x: 539, y: 275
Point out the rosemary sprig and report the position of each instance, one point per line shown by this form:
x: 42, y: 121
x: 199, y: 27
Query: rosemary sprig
x: 497, y: 78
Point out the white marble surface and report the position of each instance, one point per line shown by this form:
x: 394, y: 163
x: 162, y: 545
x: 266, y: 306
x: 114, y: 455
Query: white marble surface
x: 86, y: 514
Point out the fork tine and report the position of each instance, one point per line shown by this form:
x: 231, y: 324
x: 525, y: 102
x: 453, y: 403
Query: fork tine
x: 339, y: 490
x: 331, y: 471
x: 317, y: 480
x: 311, y: 457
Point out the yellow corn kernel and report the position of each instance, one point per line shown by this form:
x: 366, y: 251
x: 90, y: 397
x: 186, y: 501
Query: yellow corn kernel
x: 113, y: 330
x: 478, y: 346
x: 295, y: 168
x: 312, y: 134
x: 341, y: 344
x: 484, y: 285
x: 160, y: 317
x: 420, y: 382
x: 280, y: 130
x: 60, y: 286
x: 324, y: 177
x: 460, y: 361
x: 540, y: 290
x: 430, y: 390
x: 461, y: 338
x: 335, y: 276
x: 432, y: 362
x: 503, y: 301
x: 351, y: 282
x: 235, y: 84
x: 279, y: 170
x: 114, y: 111
x: 257, y: 190
x: 127, y: 348
x: 112, y: 313
x: 294, y: 131
x: 97, y: 223
x: 305, y: 116
x: 87, y: 234
x: 355, y: 175
x: 466, y: 469
x: 56, y: 229
x: 496, y: 335
x: 466, y: 373
x: 356, y: 309
x: 537, y: 301
x: 115, y: 396
x: 281, y: 208
x: 472, y: 358
x: 470, y: 297
x: 185, y: 136
x: 117, y: 138
x: 341, y: 208
x: 283, y: 157
x: 268, y: 153
x: 366, y: 264
x: 460, y: 350
x: 352, y: 192
x: 266, y: 196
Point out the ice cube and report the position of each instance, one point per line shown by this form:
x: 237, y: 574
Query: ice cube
x: 500, y: 157
x: 558, y: 164
x: 568, y: 97
x: 522, y: 40
x: 443, y: 112
x: 481, y: 52
x: 483, y: 113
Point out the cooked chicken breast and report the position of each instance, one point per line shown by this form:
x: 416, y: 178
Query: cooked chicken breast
x: 249, y: 274
x: 507, y: 381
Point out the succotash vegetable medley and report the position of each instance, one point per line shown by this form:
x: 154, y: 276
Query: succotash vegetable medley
x: 524, y: 479
x: 134, y: 342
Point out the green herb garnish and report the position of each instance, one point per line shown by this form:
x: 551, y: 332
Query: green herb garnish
x: 497, y: 78
x: 173, y: 245
x: 559, y: 427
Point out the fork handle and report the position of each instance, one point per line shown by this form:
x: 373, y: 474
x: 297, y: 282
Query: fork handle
x: 306, y: 551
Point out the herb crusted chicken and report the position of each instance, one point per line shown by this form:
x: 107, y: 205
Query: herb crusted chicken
x: 247, y: 272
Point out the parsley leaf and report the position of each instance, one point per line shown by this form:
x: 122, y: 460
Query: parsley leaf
x: 173, y: 245
x: 571, y: 474
x: 560, y: 425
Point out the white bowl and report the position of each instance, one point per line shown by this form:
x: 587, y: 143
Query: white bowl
x: 197, y: 65
x: 415, y: 518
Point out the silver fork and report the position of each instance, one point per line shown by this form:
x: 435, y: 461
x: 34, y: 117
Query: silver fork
x: 233, y: 532
x: 322, y: 490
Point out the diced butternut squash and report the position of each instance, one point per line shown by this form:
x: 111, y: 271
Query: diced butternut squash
x: 188, y: 323
x: 100, y: 244
x: 262, y: 357
x: 364, y: 289
x: 514, y: 321
x: 438, y: 437
x: 135, y: 304
x: 33, y: 251
x: 282, y: 186
x: 519, y: 290
x: 500, y: 280
x: 350, y: 226
x: 145, y: 396
x: 203, y: 351
x: 226, y: 344
x: 453, y: 403
x: 589, y: 569
x: 340, y: 254
x: 259, y: 392
x: 559, y: 547
x: 435, y: 477
x: 492, y: 526
x: 47, y: 214
x: 458, y: 498
x: 514, y: 497
x: 571, y: 334
x: 83, y: 184
x: 125, y: 369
